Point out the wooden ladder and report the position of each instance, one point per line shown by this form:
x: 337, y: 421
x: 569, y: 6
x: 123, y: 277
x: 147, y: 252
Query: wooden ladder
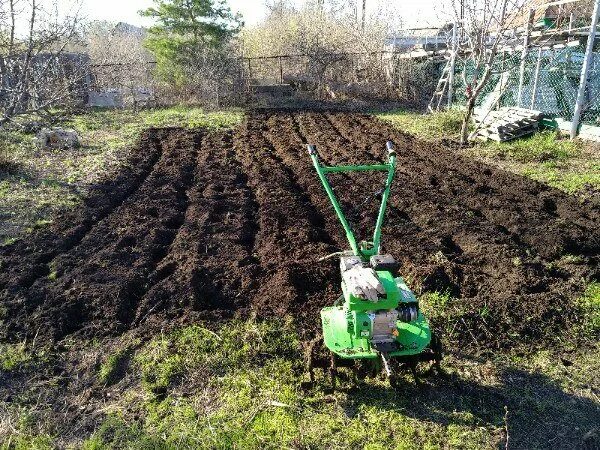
x: 440, y: 90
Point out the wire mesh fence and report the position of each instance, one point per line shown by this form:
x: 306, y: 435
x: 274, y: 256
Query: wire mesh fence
x: 550, y: 82
x: 336, y: 67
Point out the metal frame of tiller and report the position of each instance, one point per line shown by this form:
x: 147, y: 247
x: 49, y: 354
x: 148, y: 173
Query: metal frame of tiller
x: 364, y: 249
x: 379, y: 319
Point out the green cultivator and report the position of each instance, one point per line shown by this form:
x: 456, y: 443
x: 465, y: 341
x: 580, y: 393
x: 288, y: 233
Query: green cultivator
x: 377, y: 319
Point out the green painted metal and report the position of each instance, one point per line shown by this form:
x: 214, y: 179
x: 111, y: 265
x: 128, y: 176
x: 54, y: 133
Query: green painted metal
x: 391, y: 300
x: 348, y: 328
x: 365, y: 249
x: 348, y: 343
x: 362, y: 168
x: 549, y: 123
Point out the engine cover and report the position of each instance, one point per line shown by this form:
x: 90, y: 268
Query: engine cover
x: 352, y: 334
x: 384, y: 326
x: 380, y: 314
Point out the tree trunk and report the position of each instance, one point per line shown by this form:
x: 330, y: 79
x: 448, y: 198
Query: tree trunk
x: 364, y: 13
x: 464, y: 131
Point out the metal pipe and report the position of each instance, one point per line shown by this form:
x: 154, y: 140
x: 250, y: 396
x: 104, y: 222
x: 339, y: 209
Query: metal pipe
x: 280, y: 71
x: 364, y: 14
x: 362, y: 250
x: 536, y: 78
x: 585, y: 71
x: 530, y: 18
x: 336, y: 206
x: 361, y: 168
x: 571, y: 21
x: 384, y: 200
x: 452, y: 64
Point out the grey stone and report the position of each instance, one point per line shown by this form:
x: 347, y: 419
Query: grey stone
x: 57, y: 138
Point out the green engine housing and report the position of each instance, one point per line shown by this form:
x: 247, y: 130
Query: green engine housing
x: 348, y: 329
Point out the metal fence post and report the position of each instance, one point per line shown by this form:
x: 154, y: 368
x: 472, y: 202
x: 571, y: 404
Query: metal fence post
x: 585, y: 71
x: 536, y: 78
x: 571, y: 22
x: 524, y: 55
x: 280, y: 70
x: 452, y: 64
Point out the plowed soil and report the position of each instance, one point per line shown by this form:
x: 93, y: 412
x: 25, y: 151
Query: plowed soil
x: 205, y: 225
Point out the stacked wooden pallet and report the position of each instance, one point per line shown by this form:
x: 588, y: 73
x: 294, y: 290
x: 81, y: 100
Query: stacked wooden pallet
x: 506, y: 124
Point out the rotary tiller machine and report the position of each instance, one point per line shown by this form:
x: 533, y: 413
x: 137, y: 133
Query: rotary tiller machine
x: 376, y: 321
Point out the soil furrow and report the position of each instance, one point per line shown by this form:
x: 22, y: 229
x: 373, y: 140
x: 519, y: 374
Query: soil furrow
x: 291, y: 152
x: 549, y: 221
x: 356, y: 201
x: 475, y: 260
x: 215, y: 224
x: 81, y: 286
x: 66, y: 234
x: 210, y: 267
x: 289, y: 237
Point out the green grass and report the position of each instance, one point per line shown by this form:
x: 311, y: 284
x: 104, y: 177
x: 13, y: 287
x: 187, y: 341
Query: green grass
x: 29, y: 442
x: 239, y: 386
x: 35, y: 185
x: 571, y: 166
x: 540, y: 147
x: 571, y: 178
x: 117, y: 128
x: 572, y: 259
x: 589, y: 305
x: 441, y: 125
x: 436, y: 300
x: 8, y: 241
x: 26, y: 426
x: 246, y: 378
x: 40, y: 223
x: 242, y: 344
x: 113, y: 365
x: 13, y: 356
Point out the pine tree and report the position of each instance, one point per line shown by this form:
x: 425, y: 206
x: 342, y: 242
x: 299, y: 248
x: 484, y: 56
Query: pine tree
x: 186, y: 32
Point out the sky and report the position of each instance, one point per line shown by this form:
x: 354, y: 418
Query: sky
x: 413, y: 12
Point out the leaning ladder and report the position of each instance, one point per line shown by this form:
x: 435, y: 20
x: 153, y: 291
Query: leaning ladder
x: 440, y: 89
x: 445, y: 84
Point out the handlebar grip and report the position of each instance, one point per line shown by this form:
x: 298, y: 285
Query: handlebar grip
x: 390, y: 148
x: 312, y: 149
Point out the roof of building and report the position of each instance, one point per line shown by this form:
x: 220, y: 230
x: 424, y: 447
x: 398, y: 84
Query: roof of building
x: 560, y: 10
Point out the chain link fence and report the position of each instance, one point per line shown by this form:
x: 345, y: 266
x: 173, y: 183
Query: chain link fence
x: 384, y: 75
x: 550, y: 82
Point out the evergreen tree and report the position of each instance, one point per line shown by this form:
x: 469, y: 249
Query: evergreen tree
x: 188, y: 33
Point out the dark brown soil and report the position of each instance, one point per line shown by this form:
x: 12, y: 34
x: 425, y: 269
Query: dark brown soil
x: 207, y: 225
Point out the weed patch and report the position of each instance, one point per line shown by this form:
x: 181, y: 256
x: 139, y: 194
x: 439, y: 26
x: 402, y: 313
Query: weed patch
x: 442, y: 125
x: 255, y: 401
x: 246, y: 377
x: 540, y: 147
x: 114, y: 365
x: 242, y: 344
x: 38, y: 224
x: 13, y: 356
x: 565, y: 178
x: 589, y: 304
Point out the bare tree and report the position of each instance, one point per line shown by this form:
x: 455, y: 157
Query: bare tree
x: 120, y: 63
x: 486, y: 26
x: 279, y: 7
x: 330, y: 40
x: 37, y: 72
